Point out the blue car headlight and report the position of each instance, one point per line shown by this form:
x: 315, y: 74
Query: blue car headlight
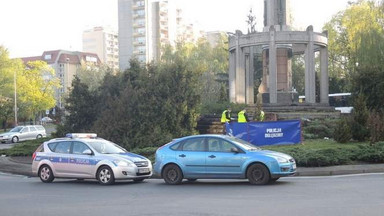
x: 282, y: 160
x: 122, y: 163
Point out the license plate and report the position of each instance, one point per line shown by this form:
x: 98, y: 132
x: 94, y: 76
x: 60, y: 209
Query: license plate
x: 294, y: 166
x: 144, y: 170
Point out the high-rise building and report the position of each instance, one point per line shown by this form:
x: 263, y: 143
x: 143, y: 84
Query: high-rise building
x: 144, y: 27
x: 104, y: 42
x: 66, y: 64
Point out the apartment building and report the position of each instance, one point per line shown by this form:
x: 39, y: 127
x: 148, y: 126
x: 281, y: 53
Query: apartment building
x: 104, y: 42
x: 66, y: 64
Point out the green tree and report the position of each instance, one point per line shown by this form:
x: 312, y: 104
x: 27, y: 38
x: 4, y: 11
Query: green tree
x: 360, y: 114
x: 355, y: 50
x: 35, y: 88
x: 81, y: 108
x: 93, y: 75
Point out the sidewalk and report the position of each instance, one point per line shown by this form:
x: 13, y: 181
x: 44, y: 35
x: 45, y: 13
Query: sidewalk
x: 22, y: 166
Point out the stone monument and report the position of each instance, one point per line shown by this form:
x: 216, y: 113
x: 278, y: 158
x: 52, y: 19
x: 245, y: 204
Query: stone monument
x: 279, y: 43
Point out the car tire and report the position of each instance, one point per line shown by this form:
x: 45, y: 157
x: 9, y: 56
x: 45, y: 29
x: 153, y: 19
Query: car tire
x: 39, y: 136
x: 138, y: 180
x: 172, y: 174
x: 15, y: 139
x: 191, y: 180
x: 258, y: 174
x: 46, y: 174
x: 105, y: 175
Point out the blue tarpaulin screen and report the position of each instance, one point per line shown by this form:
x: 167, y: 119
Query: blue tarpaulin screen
x: 267, y: 133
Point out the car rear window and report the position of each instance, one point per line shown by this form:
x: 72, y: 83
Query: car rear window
x: 39, y: 127
x: 40, y: 148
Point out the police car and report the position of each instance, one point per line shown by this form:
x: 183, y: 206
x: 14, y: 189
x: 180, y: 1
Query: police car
x: 85, y: 156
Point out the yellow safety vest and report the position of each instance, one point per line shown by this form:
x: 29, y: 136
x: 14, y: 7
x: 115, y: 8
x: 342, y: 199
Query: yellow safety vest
x: 262, y: 115
x: 224, y: 117
x: 241, y: 117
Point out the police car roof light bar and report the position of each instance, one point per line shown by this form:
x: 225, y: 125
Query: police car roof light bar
x: 81, y: 135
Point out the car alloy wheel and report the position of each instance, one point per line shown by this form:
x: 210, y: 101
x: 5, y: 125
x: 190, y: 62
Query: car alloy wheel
x: 45, y: 174
x: 258, y: 174
x: 105, y: 176
x: 15, y: 139
x: 39, y: 136
x: 172, y: 174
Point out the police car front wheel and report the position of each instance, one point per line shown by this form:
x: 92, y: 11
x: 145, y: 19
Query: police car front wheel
x: 105, y: 176
x: 46, y: 174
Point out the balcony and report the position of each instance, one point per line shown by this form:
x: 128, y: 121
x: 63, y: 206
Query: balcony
x: 138, y: 34
x: 139, y: 52
x: 139, y: 43
x: 138, y: 16
x: 138, y: 7
x: 138, y: 25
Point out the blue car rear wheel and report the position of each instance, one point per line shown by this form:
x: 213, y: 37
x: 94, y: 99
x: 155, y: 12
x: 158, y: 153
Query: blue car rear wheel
x: 172, y: 174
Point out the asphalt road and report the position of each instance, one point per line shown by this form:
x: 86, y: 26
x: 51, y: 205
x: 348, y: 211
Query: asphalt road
x: 335, y: 195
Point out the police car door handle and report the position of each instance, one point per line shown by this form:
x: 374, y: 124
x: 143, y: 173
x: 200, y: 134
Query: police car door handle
x: 182, y: 155
x: 212, y: 156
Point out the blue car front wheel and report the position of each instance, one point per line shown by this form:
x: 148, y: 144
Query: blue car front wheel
x: 258, y: 174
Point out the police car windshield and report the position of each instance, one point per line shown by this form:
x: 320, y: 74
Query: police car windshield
x: 244, y: 144
x: 106, y: 147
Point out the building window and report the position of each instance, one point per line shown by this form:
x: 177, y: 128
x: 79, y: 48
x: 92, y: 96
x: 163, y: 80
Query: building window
x: 48, y: 57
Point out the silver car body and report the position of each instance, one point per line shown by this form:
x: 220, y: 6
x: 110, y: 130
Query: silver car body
x: 84, y: 165
x: 21, y: 133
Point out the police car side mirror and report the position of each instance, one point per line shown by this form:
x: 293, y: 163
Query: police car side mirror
x: 87, y: 152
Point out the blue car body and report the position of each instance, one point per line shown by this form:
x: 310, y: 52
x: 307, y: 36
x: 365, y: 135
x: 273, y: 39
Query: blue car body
x: 220, y: 157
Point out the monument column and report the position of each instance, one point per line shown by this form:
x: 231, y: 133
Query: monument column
x: 232, y: 77
x: 310, y: 76
x: 250, y: 78
x: 272, y: 67
x: 324, y: 89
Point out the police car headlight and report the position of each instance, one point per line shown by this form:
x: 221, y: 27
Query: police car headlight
x: 6, y: 136
x: 122, y: 163
x: 281, y: 160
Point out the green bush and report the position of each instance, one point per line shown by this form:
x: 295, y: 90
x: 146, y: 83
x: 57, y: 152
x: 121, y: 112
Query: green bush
x: 318, y: 129
x: 371, y: 154
x: 342, y: 132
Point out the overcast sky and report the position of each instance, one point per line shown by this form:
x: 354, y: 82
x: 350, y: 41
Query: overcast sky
x: 29, y: 27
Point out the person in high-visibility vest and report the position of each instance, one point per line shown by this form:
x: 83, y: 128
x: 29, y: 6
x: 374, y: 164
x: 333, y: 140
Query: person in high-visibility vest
x: 242, y: 116
x: 226, y: 116
x: 262, y: 115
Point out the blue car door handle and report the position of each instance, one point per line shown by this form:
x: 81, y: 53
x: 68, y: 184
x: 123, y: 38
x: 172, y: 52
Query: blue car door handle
x: 212, y: 156
x: 182, y: 155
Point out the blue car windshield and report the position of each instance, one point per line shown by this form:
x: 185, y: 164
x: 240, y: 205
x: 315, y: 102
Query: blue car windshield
x: 106, y: 147
x: 16, y: 129
x: 244, y: 144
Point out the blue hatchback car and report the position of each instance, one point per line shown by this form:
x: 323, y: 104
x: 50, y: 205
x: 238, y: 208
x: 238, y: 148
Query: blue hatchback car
x: 220, y: 157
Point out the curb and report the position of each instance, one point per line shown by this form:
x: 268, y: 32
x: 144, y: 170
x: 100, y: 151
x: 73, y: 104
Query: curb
x: 22, y: 166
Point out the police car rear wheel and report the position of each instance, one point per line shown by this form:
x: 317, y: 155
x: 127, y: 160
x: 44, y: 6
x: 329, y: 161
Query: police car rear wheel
x: 105, y: 176
x: 45, y: 174
x: 172, y: 174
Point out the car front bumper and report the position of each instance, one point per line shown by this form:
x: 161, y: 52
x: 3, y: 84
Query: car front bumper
x: 121, y: 172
